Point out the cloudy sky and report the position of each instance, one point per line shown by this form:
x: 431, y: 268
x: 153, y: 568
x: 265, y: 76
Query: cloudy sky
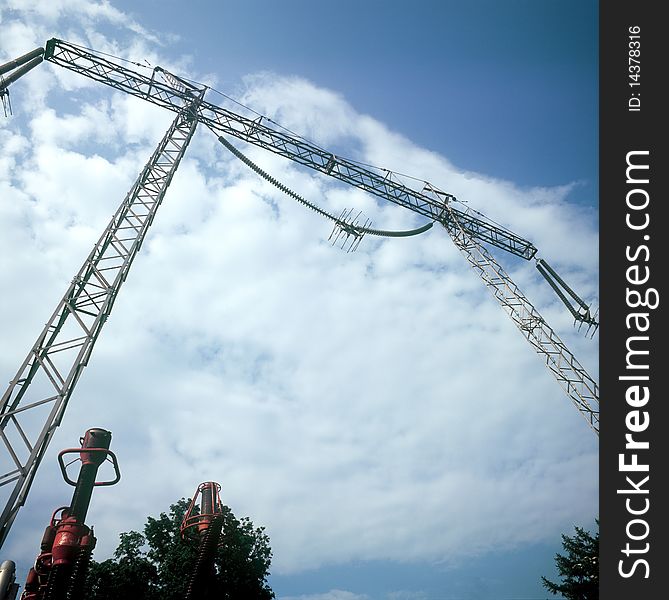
x: 377, y: 411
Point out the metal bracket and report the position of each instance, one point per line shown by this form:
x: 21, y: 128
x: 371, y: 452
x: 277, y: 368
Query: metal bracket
x: 111, y: 457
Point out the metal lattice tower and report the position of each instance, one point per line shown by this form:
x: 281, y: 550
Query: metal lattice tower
x: 578, y: 385
x: 34, y: 403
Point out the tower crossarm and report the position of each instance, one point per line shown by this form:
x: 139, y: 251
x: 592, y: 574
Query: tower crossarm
x: 169, y: 93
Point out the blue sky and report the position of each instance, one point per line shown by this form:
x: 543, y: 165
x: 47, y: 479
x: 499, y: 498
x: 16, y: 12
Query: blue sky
x: 377, y: 411
x: 504, y: 88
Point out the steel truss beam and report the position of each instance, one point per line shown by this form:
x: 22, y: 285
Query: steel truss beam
x: 171, y: 94
x: 34, y: 403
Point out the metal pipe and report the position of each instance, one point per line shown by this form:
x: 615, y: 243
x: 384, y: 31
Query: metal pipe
x: 17, y: 62
x: 91, y: 461
x: 561, y: 281
x: 557, y: 290
x: 6, y: 81
x: 8, y: 585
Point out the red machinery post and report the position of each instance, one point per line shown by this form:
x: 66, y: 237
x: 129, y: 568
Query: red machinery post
x: 207, y: 519
x: 61, y: 567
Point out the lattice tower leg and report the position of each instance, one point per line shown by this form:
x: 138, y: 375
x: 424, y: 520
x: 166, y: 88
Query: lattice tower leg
x: 579, y: 386
x: 33, y: 405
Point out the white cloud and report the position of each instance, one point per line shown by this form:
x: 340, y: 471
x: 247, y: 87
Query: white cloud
x: 373, y: 405
x: 88, y: 13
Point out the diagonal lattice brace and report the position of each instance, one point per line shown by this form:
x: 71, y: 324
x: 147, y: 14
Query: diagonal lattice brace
x: 582, y: 390
x: 33, y: 405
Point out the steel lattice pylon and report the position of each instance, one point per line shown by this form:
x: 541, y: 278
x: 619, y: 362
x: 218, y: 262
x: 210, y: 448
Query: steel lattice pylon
x: 579, y: 386
x: 34, y: 403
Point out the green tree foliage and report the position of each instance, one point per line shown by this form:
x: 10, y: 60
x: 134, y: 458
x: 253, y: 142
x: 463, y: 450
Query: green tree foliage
x: 578, y: 568
x: 158, y: 564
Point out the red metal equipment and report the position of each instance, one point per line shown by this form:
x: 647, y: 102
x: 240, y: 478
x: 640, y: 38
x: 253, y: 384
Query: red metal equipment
x: 65, y: 551
x: 207, y: 519
x: 201, y: 515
